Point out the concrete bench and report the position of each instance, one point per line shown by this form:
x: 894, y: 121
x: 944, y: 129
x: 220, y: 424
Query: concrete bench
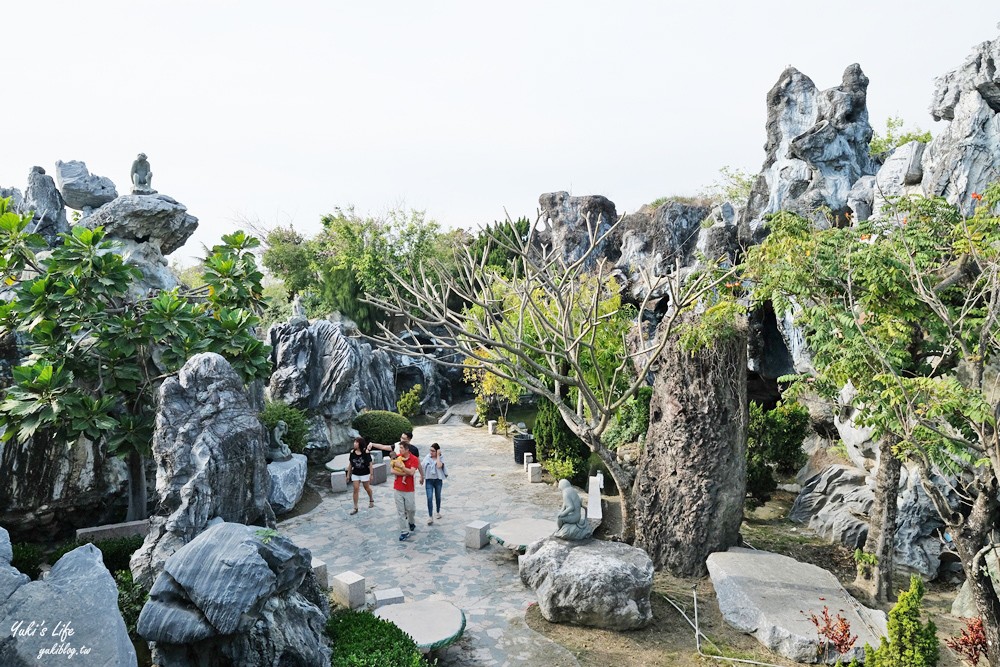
x: 113, y: 530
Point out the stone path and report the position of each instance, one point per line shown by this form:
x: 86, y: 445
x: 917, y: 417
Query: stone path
x: 484, y: 483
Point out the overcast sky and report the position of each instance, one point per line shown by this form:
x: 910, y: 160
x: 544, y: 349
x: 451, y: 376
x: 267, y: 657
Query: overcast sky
x: 280, y: 111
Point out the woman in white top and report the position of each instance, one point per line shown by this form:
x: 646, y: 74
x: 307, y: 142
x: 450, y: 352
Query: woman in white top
x: 434, y: 474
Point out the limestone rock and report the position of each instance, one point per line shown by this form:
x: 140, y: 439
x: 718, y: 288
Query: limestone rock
x: 861, y: 198
x: 10, y: 578
x: 817, y: 149
x: 210, y: 452
x: 233, y: 596
x: 80, y: 189
x: 962, y: 159
x: 565, y: 224
x: 836, y: 504
x: 593, y: 583
x: 692, y: 472
x: 77, y: 603
x: 321, y: 368
x: 900, y: 175
x: 156, y: 272
x: 156, y: 219
x: 42, y: 197
x: 770, y: 596
x: 288, y: 479
x: 964, y: 605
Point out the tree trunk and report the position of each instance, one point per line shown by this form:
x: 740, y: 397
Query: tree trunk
x: 691, y: 481
x: 876, y: 580
x: 970, y: 540
x: 623, y: 480
x: 136, y: 487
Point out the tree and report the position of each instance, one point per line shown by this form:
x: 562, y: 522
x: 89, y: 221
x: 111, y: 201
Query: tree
x: 549, y: 326
x: 881, y: 145
x: 96, y: 354
x: 906, y: 309
x: 910, y: 643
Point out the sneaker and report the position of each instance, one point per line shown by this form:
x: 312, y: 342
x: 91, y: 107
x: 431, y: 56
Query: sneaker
x: 413, y: 527
x: 403, y: 536
x: 439, y: 515
x: 430, y: 522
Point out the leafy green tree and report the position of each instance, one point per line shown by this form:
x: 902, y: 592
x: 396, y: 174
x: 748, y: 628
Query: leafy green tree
x: 774, y: 444
x: 910, y: 643
x: 499, y: 257
x: 882, y: 144
x: 96, y: 353
x: 906, y: 309
x: 555, y: 440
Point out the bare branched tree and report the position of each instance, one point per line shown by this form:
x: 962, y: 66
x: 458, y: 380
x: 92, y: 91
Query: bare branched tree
x: 550, y: 327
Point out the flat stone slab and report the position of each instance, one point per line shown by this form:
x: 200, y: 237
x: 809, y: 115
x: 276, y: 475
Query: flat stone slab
x: 771, y: 597
x: 433, y: 624
x: 338, y: 463
x: 113, y: 530
x: 517, y: 534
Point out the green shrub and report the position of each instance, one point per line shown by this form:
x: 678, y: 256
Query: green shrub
x: 361, y: 639
x: 131, y: 598
x: 27, y: 559
x: 554, y: 440
x: 774, y: 443
x: 295, y: 419
x: 381, y: 426
x: 631, y: 422
x: 881, y: 145
x: 409, y: 403
x: 562, y: 468
x: 116, y: 551
x: 910, y: 643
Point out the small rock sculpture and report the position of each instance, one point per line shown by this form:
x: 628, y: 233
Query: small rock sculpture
x: 279, y: 451
x: 142, y: 176
x: 571, y: 521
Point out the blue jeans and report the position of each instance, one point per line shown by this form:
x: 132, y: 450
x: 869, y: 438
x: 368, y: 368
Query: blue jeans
x: 433, y: 488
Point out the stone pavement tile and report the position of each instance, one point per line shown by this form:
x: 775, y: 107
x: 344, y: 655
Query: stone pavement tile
x: 484, y: 483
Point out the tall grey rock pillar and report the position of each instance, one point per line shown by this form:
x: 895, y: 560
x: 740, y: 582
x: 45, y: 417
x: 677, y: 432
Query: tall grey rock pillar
x: 691, y: 479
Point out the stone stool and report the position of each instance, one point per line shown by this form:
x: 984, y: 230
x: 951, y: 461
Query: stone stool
x: 529, y: 458
x: 477, y: 534
x: 534, y: 472
x: 380, y: 472
x: 349, y: 589
x: 319, y: 569
x: 388, y: 596
x: 338, y: 481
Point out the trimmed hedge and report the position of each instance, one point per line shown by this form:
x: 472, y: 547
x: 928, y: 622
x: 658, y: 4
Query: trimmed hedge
x: 116, y: 551
x: 361, y: 639
x: 27, y: 559
x: 381, y: 426
x: 295, y: 419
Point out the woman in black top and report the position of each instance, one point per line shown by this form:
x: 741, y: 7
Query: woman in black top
x: 359, y: 469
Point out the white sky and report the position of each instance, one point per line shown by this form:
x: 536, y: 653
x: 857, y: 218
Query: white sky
x: 280, y: 111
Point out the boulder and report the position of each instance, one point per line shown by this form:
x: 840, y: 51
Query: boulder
x: 209, y: 449
x: 236, y: 595
x: 771, y: 597
x: 288, y: 479
x: 156, y: 272
x: 156, y: 219
x: 80, y: 189
x: 10, y: 578
x: 964, y: 605
x: 899, y: 175
x: 961, y: 159
x: 816, y: 150
x: 42, y: 197
x: 568, y: 223
x: 323, y: 368
x: 593, y: 583
x: 693, y: 479
x: 70, y: 617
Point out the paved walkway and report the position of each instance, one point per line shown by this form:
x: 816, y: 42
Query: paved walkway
x: 483, y: 483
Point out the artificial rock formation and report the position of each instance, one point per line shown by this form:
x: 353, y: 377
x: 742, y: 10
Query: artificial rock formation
x: 288, y: 480
x: 962, y: 159
x: 320, y: 367
x: 210, y: 452
x: 42, y: 197
x: 816, y: 150
x: 82, y: 190
x: 70, y: 617
x: 10, y: 578
x: 237, y: 596
x: 589, y: 582
x: 158, y: 220
x: 691, y: 477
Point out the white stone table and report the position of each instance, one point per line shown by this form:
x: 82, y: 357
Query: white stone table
x: 433, y: 624
x: 517, y: 534
x: 338, y: 463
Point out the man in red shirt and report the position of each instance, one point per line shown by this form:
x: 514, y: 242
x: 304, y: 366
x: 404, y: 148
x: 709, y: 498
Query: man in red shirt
x: 404, y: 467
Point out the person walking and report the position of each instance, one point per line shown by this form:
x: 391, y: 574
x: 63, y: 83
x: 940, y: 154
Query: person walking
x: 359, y: 470
x: 404, y: 466
x: 434, y: 472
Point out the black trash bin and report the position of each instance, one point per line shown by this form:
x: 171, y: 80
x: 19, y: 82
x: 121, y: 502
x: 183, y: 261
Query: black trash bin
x: 524, y: 443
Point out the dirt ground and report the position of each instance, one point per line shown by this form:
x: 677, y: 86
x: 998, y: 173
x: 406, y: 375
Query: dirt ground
x: 670, y: 642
